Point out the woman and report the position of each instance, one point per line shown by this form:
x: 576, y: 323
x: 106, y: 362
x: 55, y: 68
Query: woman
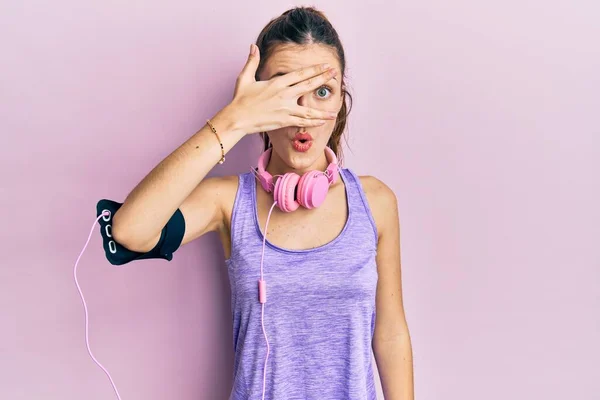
x: 330, y: 259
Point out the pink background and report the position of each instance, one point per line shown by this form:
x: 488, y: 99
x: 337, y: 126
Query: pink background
x: 483, y: 118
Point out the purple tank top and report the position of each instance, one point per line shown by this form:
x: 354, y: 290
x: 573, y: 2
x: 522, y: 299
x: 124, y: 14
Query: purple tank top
x: 319, y: 316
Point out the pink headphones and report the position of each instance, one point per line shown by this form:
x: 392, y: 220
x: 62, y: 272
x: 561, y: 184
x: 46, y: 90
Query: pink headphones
x: 291, y: 190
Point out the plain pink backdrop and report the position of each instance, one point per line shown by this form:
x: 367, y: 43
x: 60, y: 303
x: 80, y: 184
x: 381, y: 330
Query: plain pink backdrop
x: 481, y: 116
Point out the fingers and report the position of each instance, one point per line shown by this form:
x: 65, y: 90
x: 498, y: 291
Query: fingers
x: 312, y: 84
x: 249, y: 70
x: 303, y: 122
x: 312, y: 113
x: 302, y: 74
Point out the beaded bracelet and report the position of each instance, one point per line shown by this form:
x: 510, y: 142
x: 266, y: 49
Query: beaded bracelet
x: 222, y: 160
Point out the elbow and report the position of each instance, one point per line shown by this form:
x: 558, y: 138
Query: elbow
x: 122, y: 234
x: 393, y: 336
x: 124, y: 238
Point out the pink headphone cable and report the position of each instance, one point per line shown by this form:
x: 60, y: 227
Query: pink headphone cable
x: 262, y: 290
x: 262, y: 295
x: 87, y: 341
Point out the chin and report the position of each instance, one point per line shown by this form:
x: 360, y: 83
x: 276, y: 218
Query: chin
x: 300, y: 159
x: 297, y: 160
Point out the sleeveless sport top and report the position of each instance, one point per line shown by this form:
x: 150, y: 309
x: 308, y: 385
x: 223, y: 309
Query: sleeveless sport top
x: 319, y: 316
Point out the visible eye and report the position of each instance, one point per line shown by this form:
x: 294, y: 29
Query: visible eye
x: 323, y: 91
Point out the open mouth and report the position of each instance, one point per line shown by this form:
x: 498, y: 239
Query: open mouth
x: 302, y: 142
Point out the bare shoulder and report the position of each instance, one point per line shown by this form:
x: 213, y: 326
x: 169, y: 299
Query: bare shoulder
x: 219, y: 189
x: 220, y: 184
x: 378, y: 193
x: 222, y: 189
x: 229, y: 186
x: 208, y: 207
x: 382, y: 201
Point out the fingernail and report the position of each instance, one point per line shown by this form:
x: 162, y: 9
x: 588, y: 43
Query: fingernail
x: 252, y: 49
x: 326, y: 67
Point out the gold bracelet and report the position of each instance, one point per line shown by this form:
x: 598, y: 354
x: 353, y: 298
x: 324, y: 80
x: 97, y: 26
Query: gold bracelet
x: 222, y: 160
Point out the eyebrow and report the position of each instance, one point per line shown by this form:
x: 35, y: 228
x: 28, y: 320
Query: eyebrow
x: 283, y: 73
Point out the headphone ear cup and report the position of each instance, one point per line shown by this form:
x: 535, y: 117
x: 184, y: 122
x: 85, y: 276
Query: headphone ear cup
x: 312, y: 189
x: 284, y: 192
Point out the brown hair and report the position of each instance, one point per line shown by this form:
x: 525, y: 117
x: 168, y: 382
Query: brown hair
x: 302, y: 26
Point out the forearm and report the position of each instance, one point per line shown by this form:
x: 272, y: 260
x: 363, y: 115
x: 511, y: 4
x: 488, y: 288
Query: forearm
x: 395, y: 365
x: 153, y: 201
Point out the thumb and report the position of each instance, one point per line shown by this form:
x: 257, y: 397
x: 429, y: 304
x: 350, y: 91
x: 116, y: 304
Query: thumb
x: 249, y: 71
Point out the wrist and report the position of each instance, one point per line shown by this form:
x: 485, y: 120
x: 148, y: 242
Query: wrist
x: 228, y: 118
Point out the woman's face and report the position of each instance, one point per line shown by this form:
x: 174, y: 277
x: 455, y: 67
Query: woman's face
x: 290, y: 144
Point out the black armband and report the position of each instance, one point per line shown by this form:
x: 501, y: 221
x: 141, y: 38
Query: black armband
x: 170, y: 237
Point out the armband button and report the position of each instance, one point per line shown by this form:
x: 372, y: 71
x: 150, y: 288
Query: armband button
x: 106, y: 215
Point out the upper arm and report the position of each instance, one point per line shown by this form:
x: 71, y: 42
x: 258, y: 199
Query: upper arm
x: 390, y: 322
x: 204, y: 210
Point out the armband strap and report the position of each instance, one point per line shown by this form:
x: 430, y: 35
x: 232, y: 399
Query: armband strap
x: 170, y: 238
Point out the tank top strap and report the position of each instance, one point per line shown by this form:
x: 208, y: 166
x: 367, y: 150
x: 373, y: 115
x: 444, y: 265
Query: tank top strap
x: 242, y: 215
x: 357, y: 202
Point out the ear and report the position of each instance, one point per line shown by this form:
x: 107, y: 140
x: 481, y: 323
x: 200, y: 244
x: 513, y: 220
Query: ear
x: 342, y: 97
